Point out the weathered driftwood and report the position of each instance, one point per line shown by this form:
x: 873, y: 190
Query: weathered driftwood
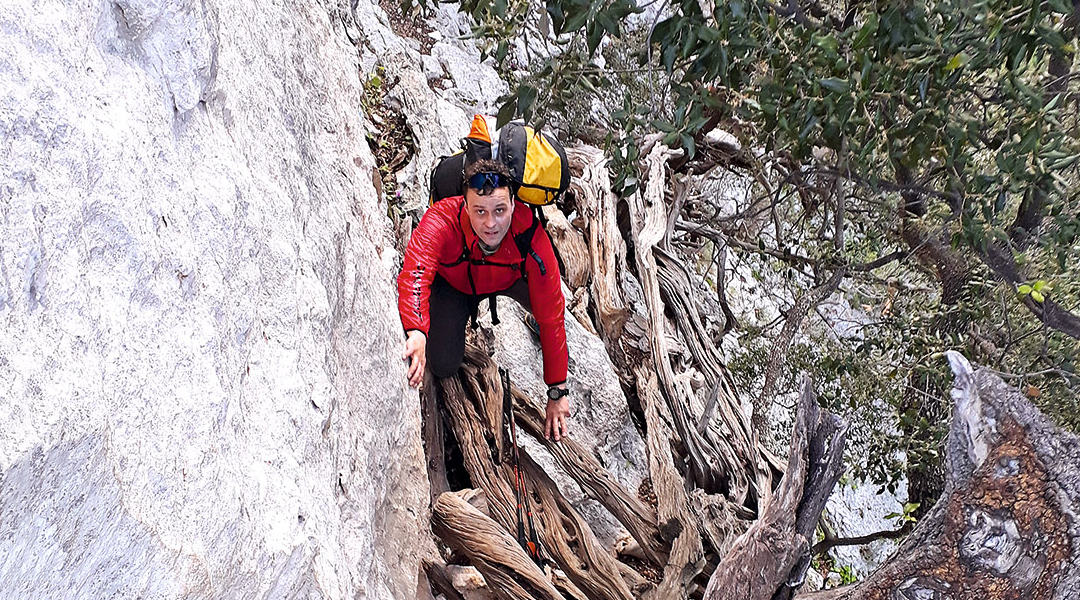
x: 773, y: 555
x: 736, y: 443
x: 611, y: 283
x: 573, y: 253
x: 676, y: 522
x: 606, y: 249
x: 1006, y: 526
x: 719, y: 466
x: 509, y: 572
x: 563, y: 534
x: 597, y: 483
x: 485, y: 385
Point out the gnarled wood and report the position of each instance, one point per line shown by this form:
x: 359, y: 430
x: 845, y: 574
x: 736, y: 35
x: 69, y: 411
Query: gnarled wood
x: 713, y: 470
x: 563, y: 533
x: 509, y: 572
x: 573, y: 252
x: 737, y: 444
x: 772, y: 556
x: 594, y: 479
x: 673, y: 511
x: 606, y: 249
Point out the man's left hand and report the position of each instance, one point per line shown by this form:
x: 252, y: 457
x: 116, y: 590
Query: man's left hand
x: 558, y: 418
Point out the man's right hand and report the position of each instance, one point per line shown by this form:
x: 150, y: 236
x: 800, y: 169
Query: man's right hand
x: 415, y: 356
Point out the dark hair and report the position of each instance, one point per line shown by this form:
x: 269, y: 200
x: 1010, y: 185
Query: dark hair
x: 485, y: 165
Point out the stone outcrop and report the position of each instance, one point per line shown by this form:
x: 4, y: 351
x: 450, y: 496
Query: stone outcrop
x: 202, y: 390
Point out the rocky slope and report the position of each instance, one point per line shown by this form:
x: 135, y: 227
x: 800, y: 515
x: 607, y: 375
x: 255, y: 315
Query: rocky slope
x: 202, y: 396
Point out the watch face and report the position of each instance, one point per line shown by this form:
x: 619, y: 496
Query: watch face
x: 556, y: 393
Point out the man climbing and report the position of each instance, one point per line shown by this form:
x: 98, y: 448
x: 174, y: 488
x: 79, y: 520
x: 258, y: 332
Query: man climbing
x: 483, y: 244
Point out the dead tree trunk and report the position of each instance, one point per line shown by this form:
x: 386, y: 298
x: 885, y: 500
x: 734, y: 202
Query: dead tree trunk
x: 510, y: 573
x: 1006, y: 526
x: 772, y: 557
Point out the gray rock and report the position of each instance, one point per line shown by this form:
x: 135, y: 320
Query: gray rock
x: 476, y: 84
x: 599, y: 416
x: 861, y: 510
x: 438, y: 118
x: 202, y: 391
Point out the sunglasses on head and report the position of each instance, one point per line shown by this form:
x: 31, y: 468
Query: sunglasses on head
x: 484, y: 183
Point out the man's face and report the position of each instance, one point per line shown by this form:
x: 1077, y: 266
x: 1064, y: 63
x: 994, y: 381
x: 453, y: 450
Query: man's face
x: 490, y: 215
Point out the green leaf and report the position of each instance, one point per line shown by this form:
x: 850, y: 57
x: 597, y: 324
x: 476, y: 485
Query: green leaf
x: 667, y: 57
x: 1029, y: 142
x: 1052, y: 38
x: 1060, y: 6
x: 826, y: 42
x: 689, y: 145
x: 1036, y: 296
x: 1062, y: 163
x: 663, y: 125
x: 507, y: 112
x: 810, y: 123
x: 558, y: 17
x: 957, y: 61
x: 593, y: 36
x: 526, y: 98
x: 609, y: 24
x: 866, y: 32
x: 738, y: 9
x: 576, y: 21
x: 1024, y: 290
x: 662, y: 31
x: 835, y: 85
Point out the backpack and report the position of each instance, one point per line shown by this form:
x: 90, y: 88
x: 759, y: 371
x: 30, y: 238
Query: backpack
x: 539, y: 171
x: 537, y: 161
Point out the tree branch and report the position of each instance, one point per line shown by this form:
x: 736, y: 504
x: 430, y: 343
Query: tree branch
x: 723, y: 238
x: 1000, y: 260
x: 831, y: 541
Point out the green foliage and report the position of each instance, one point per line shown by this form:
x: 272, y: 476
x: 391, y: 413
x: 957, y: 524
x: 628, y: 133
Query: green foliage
x: 846, y: 573
x: 936, y: 121
x: 825, y: 564
x: 908, y: 514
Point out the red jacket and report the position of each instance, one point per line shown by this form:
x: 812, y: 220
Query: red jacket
x: 438, y: 242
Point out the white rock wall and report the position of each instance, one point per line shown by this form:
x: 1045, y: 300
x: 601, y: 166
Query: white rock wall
x: 200, y: 389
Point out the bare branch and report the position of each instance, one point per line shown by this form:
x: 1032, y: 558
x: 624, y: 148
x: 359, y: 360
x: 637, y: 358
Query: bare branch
x: 831, y: 541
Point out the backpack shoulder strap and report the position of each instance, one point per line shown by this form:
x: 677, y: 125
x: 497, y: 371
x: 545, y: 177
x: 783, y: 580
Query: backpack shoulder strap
x: 524, y: 244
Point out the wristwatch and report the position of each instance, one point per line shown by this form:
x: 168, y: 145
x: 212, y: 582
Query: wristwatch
x: 555, y: 393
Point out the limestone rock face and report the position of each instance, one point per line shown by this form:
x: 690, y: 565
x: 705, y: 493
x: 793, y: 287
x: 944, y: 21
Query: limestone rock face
x: 437, y: 92
x: 202, y: 391
x: 599, y: 417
